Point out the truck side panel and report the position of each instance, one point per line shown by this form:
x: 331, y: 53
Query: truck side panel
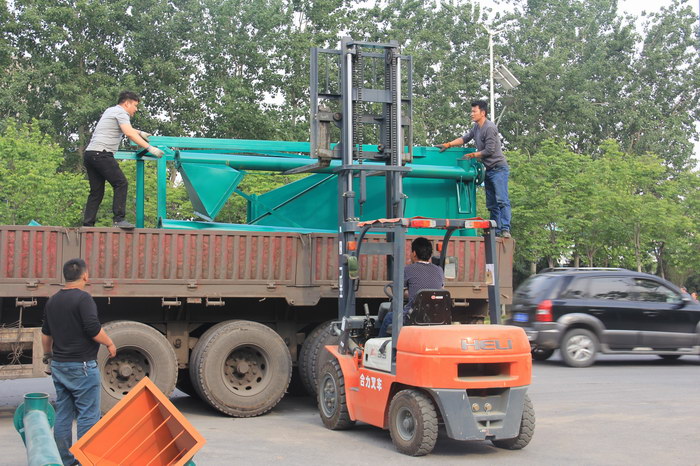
x: 160, y: 263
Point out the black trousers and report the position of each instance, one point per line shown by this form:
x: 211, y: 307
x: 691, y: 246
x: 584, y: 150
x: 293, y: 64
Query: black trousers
x: 101, y: 167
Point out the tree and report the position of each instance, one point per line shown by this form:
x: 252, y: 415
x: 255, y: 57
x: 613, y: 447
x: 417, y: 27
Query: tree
x: 31, y: 185
x: 664, y: 101
x: 543, y: 189
x: 588, y: 76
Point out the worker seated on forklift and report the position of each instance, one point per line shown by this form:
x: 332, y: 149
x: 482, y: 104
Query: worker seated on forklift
x: 421, y: 274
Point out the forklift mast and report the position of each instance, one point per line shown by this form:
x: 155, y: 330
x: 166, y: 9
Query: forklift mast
x: 361, y: 95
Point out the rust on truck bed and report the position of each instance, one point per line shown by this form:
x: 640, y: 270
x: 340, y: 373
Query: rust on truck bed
x: 159, y: 263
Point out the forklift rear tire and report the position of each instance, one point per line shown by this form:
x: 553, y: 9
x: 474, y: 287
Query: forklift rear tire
x: 525, y: 433
x: 332, y: 402
x: 413, y: 423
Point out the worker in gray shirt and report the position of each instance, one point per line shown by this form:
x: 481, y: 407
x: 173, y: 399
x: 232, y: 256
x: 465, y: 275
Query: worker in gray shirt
x: 100, y: 163
x: 488, y: 150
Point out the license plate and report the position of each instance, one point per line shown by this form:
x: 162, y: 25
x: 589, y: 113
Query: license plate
x: 520, y: 317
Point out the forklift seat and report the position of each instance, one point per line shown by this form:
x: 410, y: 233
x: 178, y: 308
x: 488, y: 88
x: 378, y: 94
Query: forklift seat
x: 431, y: 307
x: 384, y: 309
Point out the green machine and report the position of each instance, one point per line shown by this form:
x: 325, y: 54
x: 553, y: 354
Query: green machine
x: 361, y: 130
x: 438, y: 185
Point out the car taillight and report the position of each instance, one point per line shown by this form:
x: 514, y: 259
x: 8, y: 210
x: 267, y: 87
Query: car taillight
x: 544, y: 311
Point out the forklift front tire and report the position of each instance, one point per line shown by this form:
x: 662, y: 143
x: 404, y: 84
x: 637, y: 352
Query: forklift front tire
x: 413, y: 423
x: 332, y: 403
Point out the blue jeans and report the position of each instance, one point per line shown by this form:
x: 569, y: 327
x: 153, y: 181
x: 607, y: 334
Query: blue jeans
x: 386, y: 323
x: 496, y: 187
x: 77, y: 396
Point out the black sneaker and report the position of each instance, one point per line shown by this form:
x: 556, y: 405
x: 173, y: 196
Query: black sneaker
x: 124, y: 225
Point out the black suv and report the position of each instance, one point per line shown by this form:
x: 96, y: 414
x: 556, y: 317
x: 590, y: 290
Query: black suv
x: 613, y: 311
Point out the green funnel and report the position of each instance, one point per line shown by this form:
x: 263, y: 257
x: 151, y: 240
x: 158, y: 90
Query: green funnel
x: 209, y: 186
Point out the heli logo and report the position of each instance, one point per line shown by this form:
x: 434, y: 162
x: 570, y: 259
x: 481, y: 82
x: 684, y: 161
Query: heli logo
x: 486, y: 345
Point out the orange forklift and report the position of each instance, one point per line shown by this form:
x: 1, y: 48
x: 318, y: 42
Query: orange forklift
x: 471, y: 378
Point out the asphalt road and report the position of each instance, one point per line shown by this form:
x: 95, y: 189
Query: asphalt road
x: 625, y: 410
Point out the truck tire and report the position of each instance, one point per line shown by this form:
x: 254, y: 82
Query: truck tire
x: 579, y: 347
x: 242, y: 368
x: 308, y: 369
x: 141, y: 351
x: 413, y: 423
x: 526, y: 431
x: 194, y: 357
x: 332, y: 402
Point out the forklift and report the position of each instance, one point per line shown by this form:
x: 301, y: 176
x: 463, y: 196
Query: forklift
x: 431, y: 371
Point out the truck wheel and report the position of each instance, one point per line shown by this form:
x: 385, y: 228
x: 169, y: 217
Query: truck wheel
x: 142, y: 351
x: 195, y: 356
x: 413, y: 423
x: 242, y: 368
x: 525, y: 433
x: 579, y: 347
x: 312, y: 356
x: 332, y: 403
x: 539, y: 354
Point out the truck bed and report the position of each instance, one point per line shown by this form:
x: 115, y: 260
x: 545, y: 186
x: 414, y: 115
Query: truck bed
x: 159, y: 263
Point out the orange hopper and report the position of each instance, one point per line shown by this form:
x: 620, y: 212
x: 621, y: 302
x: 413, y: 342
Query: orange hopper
x: 144, y: 428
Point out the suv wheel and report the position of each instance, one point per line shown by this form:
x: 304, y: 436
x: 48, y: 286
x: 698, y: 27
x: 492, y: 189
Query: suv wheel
x: 579, y: 347
x: 541, y: 354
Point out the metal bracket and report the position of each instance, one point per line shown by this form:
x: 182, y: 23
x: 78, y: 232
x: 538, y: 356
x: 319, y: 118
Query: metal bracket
x: 322, y: 163
x: 22, y: 303
x: 218, y: 302
x: 170, y: 302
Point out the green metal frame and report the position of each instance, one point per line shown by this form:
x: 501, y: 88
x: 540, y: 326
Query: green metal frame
x: 209, y: 161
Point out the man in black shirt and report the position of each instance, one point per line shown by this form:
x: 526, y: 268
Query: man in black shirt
x: 71, y: 336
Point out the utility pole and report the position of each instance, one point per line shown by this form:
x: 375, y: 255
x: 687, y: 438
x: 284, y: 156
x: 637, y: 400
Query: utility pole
x: 491, y: 92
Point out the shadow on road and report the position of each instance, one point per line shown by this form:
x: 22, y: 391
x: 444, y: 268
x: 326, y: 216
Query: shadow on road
x: 609, y: 360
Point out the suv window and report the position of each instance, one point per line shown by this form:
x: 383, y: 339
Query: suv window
x: 577, y: 289
x: 652, y: 291
x: 611, y: 288
x: 538, y: 287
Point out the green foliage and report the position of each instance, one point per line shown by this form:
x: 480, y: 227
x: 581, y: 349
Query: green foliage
x: 614, y: 210
x: 599, y: 133
x: 588, y: 76
x: 31, y: 185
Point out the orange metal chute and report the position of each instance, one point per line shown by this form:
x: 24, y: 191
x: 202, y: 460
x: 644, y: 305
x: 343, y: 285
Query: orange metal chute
x: 143, y: 428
